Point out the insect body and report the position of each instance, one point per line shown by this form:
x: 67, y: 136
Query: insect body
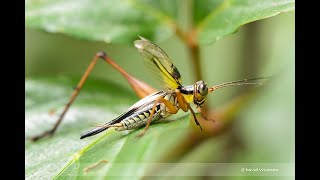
x: 162, y: 104
x: 136, y: 116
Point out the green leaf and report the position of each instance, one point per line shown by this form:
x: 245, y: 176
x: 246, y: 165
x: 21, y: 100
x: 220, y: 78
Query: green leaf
x: 101, y: 20
x: 97, y: 103
x: 114, y: 153
x: 217, y: 18
x: 123, y: 21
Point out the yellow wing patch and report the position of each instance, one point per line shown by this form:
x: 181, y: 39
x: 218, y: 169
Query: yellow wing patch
x: 160, y: 64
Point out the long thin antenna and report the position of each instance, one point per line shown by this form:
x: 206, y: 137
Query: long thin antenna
x: 238, y: 83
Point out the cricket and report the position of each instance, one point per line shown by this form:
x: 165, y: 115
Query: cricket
x: 154, y: 105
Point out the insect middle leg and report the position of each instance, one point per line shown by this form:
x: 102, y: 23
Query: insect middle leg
x: 172, y: 109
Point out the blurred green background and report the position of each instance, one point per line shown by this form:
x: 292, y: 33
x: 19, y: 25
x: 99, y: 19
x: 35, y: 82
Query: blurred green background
x: 261, y: 48
x: 263, y: 131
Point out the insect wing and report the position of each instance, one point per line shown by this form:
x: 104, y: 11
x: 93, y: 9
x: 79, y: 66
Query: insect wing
x: 142, y: 104
x: 159, y: 63
x: 138, y: 106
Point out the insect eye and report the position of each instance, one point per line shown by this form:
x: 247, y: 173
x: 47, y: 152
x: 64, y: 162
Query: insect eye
x: 203, y: 89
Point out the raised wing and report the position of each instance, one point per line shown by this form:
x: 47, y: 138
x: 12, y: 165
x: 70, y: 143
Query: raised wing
x: 160, y: 64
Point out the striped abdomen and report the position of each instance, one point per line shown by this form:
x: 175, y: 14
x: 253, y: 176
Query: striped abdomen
x: 137, y: 115
x: 140, y: 118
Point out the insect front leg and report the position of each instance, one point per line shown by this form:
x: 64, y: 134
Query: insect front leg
x: 184, y: 105
x: 172, y: 109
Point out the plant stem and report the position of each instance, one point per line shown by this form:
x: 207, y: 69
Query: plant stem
x: 189, y: 37
x: 190, y: 40
x: 194, y: 51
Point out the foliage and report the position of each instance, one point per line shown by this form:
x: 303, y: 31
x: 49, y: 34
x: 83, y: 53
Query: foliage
x: 176, y: 140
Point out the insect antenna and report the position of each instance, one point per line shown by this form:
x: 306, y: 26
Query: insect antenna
x: 238, y: 83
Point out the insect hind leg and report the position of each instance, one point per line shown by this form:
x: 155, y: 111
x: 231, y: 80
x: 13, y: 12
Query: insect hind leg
x: 99, y: 55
